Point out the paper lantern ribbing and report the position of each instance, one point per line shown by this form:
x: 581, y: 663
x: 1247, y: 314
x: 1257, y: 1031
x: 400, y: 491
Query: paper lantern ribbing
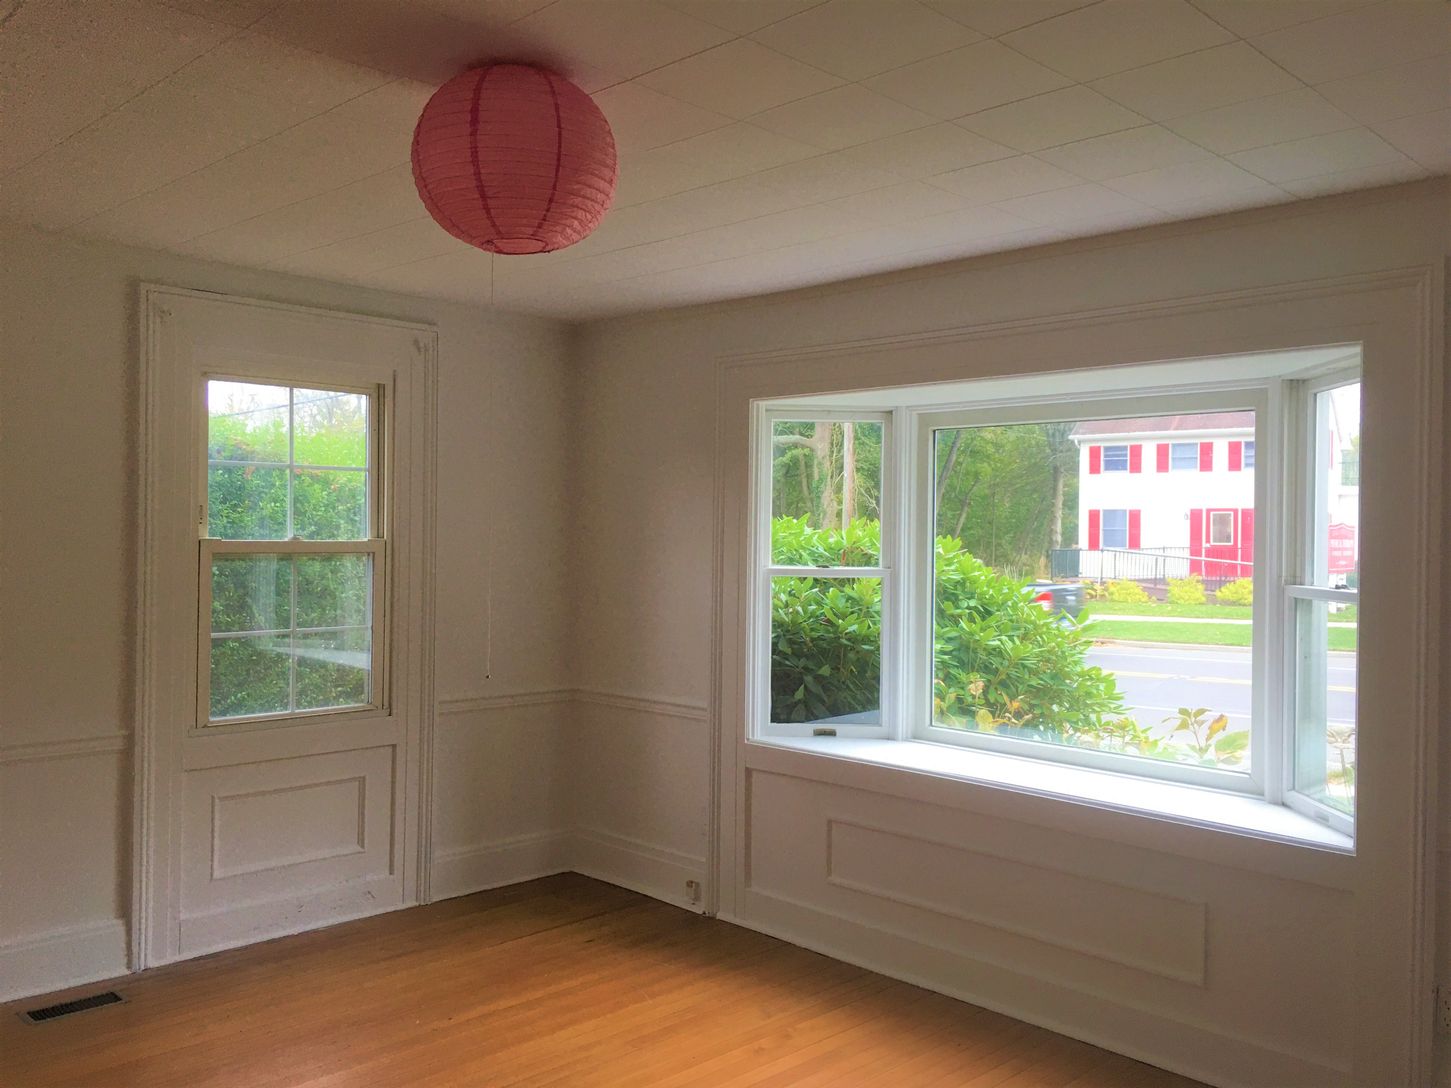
x: 514, y: 159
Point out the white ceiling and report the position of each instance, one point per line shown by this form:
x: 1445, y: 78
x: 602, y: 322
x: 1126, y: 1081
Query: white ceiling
x: 764, y: 144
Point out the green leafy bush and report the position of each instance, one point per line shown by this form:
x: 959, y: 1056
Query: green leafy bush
x: 1126, y: 592
x: 1239, y: 591
x: 1186, y: 590
x: 1002, y: 663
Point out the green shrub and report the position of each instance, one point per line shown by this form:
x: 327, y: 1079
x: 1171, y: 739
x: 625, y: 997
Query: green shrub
x: 1001, y: 662
x: 1239, y: 591
x: 1186, y: 590
x: 1126, y: 592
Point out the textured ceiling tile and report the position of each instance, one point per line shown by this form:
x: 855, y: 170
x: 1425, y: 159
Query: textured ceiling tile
x: 1150, y: 147
x: 642, y: 118
x: 1005, y: 178
x: 1335, y: 152
x: 842, y: 117
x: 1170, y: 185
x: 1347, y: 180
x: 1197, y: 82
x: 825, y: 177
x: 967, y: 80
x: 1360, y: 40
x: 1059, y: 117
x: 1078, y: 205
x: 307, y: 82
x: 238, y: 13
x: 855, y: 39
x: 386, y: 248
x: 738, y: 79
x: 994, y: 17
x: 1250, y: 17
x: 1399, y: 91
x: 925, y: 151
x: 1115, y: 35
x: 1425, y: 137
x: 898, y: 203
x: 1261, y: 122
x: 743, y: 16
x: 620, y: 39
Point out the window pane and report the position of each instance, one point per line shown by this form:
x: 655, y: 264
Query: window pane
x: 309, y: 642
x: 250, y: 676
x: 826, y: 650
x: 258, y: 435
x: 1249, y: 455
x: 329, y: 505
x: 330, y: 428
x: 1115, y: 528
x: 246, y: 502
x: 1115, y: 458
x: 1184, y: 455
x: 246, y: 422
x: 334, y: 669
x: 251, y: 593
x: 334, y: 590
x: 1325, y: 719
x: 1080, y: 608
x: 826, y: 486
x: 1336, y: 553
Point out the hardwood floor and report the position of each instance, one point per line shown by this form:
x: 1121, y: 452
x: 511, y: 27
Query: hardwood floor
x: 562, y: 981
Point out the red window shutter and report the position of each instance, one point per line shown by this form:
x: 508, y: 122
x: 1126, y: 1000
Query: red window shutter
x: 1196, y: 541
x: 1206, y: 456
x: 1136, y: 457
x: 1095, y: 522
x: 1134, y: 528
x: 1095, y: 460
x: 1162, y: 456
x: 1236, y: 456
x: 1246, y: 542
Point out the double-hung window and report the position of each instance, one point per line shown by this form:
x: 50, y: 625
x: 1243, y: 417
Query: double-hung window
x: 291, y: 555
x: 1115, y: 458
x: 957, y: 575
x: 1116, y: 529
x: 1184, y: 456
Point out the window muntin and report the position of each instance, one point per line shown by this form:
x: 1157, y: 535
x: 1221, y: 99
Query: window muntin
x: 1221, y: 528
x: 1184, y: 456
x: 1254, y: 712
x: 1115, y: 529
x: 291, y: 556
x: 1115, y: 458
x: 826, y: 575
x: 1324, y: 606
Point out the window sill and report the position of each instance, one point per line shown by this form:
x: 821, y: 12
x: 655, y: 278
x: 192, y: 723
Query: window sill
x: 1194, y: 805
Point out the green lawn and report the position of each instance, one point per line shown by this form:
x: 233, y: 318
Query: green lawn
x: 1203, y: 634
x: 1155, y: 608
x: 1191, y: 611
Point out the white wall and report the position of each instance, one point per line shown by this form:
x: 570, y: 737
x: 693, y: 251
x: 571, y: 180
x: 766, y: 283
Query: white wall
x: 647, y: 391
x: 68, y: 409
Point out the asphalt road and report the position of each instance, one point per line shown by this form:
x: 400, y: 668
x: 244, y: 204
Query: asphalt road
x: 1156, y: 681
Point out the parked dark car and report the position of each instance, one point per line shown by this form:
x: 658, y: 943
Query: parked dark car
x: 1064, y: 599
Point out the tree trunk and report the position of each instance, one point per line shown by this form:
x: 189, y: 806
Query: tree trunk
x: 1055, y: 519
x: 945, y: 472
x: 824, y: 468
x: 848, y: 474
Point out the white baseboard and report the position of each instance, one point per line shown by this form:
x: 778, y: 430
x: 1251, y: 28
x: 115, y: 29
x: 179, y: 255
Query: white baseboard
x: 63, y: 958
x: 464, y: 870
x: 642, y: 867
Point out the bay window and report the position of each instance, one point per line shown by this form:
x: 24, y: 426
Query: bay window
x: 958, y: 575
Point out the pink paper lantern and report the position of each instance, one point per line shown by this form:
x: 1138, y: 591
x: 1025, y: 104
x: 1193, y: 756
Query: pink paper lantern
x: 514, y: 159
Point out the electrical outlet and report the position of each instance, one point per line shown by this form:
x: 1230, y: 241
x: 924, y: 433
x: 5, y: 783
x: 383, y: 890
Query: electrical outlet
x: 1443, y: 1008
x: 692, y: 890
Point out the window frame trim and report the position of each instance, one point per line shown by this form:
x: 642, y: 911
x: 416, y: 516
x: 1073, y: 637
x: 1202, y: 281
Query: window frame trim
x: 309, y: 377
x: 763, y: 571
x: 1297, y: 582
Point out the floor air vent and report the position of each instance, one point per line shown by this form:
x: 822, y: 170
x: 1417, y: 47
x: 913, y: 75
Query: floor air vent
x: 65, y: 1008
